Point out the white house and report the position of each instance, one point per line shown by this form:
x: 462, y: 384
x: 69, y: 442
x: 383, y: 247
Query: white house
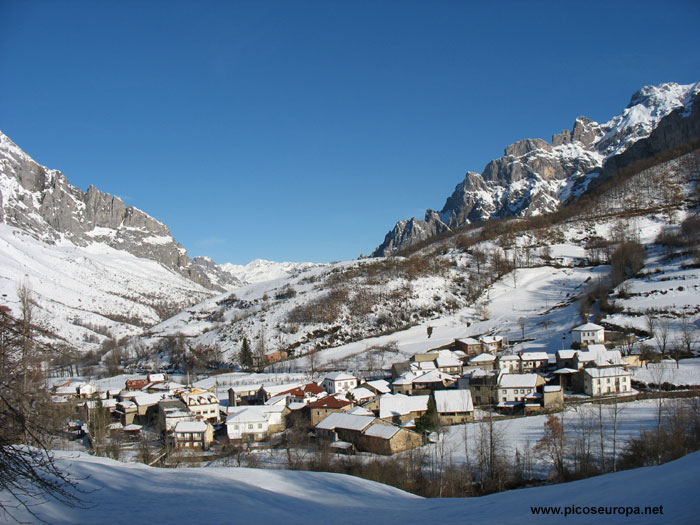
x: 491, y: 343
x: 247, y: 423
x: 508, y: 363
x: 588, y: 333
x: 339, y: 382
x: 484, y: 361
x: 204, y: 405
x: 514, y: 388
x: 602, y: 381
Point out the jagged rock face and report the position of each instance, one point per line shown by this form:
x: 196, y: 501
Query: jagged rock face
x: 42, y: 202
x: 535, y: 177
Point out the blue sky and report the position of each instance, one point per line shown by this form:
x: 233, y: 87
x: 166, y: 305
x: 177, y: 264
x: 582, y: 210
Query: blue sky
x: 302, y: 131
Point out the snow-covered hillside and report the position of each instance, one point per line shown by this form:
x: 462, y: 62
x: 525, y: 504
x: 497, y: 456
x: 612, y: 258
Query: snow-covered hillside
x: 379, y: 310
x: 83, y: 293
x: 117, y: 492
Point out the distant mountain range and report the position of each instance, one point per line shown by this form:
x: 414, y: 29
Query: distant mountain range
x: 535, y: 177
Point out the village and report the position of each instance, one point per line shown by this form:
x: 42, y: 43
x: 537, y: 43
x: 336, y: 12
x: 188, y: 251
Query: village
x: 350, y: 414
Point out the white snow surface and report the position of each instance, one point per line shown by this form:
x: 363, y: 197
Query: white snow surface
x: 117, y: 492
x: 94, y: 284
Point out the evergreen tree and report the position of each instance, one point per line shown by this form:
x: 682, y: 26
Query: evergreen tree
x: 245, y: 356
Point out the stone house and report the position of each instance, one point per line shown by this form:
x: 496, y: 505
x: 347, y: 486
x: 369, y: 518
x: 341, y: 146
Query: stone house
x: 399, y: 408
x: 454, y: 406
x: 319, y: 410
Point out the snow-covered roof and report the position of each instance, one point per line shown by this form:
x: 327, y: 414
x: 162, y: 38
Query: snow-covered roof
x: 361, y: 392
x: 502, y: 358
x: 534, y: 356
x: 607, y: 372
x: 566, y: 354
x: 552, y: 388
x: 200, y: 399
x: 273, y: 390
x: 345, y: 421
x: 147, y: 399
x: 339, y: 376
x: 405, y: 379
x: 491, y: 339
x: 469, y: 341
x: 380, y: 385
x: 447, y: 362
x: 280, y: 399
x: 249, y: 414
x: 434, y: 376
x: 245, y: 388
x: 483, y: 358
x: 453, y: 401
x: 382, y: 431
x: 601, y: 355
x: 518, y: 381
x: 588, y: 327
x: 359, y: 411
x: 194, y: 427
x: 391, y: 405
x: 132, y: 428
x: 423, y: 365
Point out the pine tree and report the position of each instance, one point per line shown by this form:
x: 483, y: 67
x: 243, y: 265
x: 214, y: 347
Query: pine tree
x: 245, y: 356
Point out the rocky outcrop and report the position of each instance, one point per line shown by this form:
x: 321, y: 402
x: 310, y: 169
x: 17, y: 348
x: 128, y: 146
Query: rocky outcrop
x: 42, y: 202
x: 535, y: 177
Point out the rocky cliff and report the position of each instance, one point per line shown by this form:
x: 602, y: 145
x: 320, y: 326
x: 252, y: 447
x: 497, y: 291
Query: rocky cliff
x: 535, y: 176
x: 42, y: 202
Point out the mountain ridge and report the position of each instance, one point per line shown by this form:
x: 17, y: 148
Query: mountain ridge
x: 535, y: 176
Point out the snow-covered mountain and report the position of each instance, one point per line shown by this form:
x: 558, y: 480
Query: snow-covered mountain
x: 230, y: 276
x: 95, y: 267
x: 535, y: 177
x: 41, y: 202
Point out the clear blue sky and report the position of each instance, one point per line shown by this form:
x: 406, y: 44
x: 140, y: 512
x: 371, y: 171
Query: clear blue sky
x: 303, y: 131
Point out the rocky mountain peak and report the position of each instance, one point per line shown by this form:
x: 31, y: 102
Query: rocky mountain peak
x: 43, y: 203
x: 535, y: 177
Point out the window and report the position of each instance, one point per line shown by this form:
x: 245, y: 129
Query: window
x: 259, y: 425
x: 250, y: 426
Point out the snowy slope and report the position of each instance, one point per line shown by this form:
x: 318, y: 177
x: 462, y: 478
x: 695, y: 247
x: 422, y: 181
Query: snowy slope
x: 117, y: 492
x: 83, y: 292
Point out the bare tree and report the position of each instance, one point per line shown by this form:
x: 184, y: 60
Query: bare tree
x: 615, y: 409
x: 688, y: 334
x: 661, y: 335
x: 260, y: 352
x: 312, y: 361
x: 553, y: 444
x: 522, y: 322
x: 627, y: 343
x: 28, y: 472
